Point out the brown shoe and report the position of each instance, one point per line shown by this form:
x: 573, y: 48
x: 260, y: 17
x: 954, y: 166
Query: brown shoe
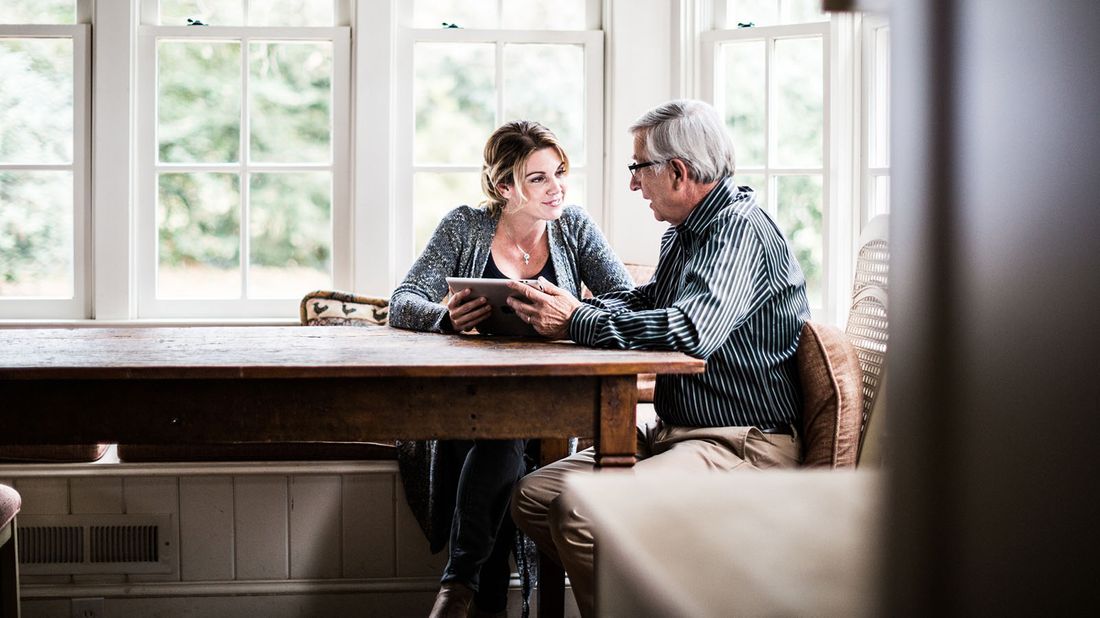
x: 452, y: 601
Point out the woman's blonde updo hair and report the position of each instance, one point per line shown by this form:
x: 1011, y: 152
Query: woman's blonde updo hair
x: 506, y: 155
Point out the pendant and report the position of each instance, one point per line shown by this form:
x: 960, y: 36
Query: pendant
x: 526, y: 258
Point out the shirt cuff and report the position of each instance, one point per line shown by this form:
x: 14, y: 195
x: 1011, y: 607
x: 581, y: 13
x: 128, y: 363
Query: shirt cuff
x: 584, y: 324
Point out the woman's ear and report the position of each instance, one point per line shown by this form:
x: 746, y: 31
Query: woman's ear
x: 505, y: 191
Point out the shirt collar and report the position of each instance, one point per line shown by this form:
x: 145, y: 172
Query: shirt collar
x: 707, y: 209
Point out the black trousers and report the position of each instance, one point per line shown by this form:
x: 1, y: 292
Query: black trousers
x: 482, y: 532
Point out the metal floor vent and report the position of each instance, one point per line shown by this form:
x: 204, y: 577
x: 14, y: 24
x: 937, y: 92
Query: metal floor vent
x: 99, y: 543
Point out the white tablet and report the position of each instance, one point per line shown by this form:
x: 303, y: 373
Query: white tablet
x: 502, y: 319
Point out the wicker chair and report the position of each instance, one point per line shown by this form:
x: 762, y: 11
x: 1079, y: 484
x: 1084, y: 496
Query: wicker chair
x: 843, y: 372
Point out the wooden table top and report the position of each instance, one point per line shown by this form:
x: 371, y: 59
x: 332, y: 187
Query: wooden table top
x: 306, y: 352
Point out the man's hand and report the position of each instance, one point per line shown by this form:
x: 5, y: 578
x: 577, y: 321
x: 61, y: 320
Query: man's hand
x: 548, y: 308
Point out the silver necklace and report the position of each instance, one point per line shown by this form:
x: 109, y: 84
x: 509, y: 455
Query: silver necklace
x: 526, y: 256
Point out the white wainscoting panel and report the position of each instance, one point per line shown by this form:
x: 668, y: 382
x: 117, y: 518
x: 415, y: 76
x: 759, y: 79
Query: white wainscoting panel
x: 206, y: 528
x: 368, y: 517
x: 315, y: 527
x: 261, y: 523
x: 44, y: 496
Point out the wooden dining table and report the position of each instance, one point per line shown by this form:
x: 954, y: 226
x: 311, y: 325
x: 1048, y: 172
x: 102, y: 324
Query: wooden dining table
x: 219, y: 384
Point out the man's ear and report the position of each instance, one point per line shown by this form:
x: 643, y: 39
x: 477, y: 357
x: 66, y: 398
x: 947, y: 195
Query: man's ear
x: 679, y: 172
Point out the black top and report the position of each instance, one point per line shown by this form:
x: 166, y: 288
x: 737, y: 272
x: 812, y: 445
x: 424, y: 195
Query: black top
x: 492, y: 272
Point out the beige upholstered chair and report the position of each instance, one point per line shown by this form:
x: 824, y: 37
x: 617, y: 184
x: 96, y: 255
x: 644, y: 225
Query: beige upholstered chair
x: 10, y: 504
x: 843, y: 372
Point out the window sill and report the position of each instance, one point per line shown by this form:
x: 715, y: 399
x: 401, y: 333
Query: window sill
x: 179, y: 322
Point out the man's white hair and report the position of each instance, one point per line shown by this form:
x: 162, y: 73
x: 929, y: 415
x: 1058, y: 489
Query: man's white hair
x: 691, y: 131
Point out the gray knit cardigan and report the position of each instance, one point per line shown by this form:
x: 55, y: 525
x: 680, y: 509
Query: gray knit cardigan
x: 460, y: 248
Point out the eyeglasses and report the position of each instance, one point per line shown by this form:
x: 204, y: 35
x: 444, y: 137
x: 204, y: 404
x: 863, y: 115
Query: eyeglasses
x: 634, y: 167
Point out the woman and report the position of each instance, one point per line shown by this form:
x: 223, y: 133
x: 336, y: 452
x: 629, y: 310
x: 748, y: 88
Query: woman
x: 522, y: 231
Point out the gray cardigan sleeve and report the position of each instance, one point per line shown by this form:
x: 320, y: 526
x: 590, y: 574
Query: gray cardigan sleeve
x: 415, y: 304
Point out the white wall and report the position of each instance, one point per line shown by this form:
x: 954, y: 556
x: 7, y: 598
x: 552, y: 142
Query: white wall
x: 640, y: 75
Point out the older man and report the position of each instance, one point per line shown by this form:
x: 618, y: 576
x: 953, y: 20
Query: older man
x: 727, y: 289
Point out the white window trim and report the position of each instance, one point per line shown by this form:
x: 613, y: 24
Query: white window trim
x: 148, y: 305
x: 871, y: 24
x: 79, y: 305
x: 402, y: 251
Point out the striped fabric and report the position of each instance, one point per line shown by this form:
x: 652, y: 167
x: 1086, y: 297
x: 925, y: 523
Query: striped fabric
x: 728, y: 290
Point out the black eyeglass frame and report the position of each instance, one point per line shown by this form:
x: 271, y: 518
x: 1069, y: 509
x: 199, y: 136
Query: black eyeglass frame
x: 634, y: 167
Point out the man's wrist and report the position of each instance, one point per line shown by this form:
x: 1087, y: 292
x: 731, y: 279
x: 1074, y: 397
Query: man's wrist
x: 582, y: 324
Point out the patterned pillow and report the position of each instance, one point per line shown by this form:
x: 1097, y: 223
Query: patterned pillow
x: 832, y: 397
x: 335, y: 308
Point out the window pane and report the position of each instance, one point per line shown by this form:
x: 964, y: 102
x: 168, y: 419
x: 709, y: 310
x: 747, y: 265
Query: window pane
x: 290, y: 102
x: 211, y: 13
x: 880, y: 100
x: 436, y: 194
x: 544, y: 14
x: 802, y: 11
x: 464, y: 13
x: 290, y: 13
x: 38, y: 12
x: 799, y: 110
x: 199, y: 104
x: 198, y: 225
x: 290, y: 234
x: 36, y: 101
x: 758, y: 184
x: 36, y: 234
x: 545, y: 83
x: 742, y: 73
x: 758, y: 12
x: 799, y: 216
x: 455, y: 102
x: 773, y: 12
x: 880, y: 196
x: 576, y: 190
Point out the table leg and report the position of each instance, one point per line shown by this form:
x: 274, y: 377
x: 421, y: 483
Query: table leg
x: 616, y: 436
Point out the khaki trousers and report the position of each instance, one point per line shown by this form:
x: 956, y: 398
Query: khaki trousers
x: 543, y: 507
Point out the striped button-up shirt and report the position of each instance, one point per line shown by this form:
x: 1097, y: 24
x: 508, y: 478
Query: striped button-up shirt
x: 728, y: 290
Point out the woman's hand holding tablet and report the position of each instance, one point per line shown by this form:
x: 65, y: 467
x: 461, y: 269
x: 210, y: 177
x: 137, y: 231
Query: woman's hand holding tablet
x: 491, y: 315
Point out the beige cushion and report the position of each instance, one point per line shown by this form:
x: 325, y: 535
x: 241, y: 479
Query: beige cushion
x: 831, y: 395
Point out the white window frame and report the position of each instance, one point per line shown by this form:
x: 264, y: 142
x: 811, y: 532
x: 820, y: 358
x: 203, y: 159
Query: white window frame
x: 402, y: 251
x: 79, y: 305
x: 711, y: 64
x: 148, y: 305
x: 873, y: 68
